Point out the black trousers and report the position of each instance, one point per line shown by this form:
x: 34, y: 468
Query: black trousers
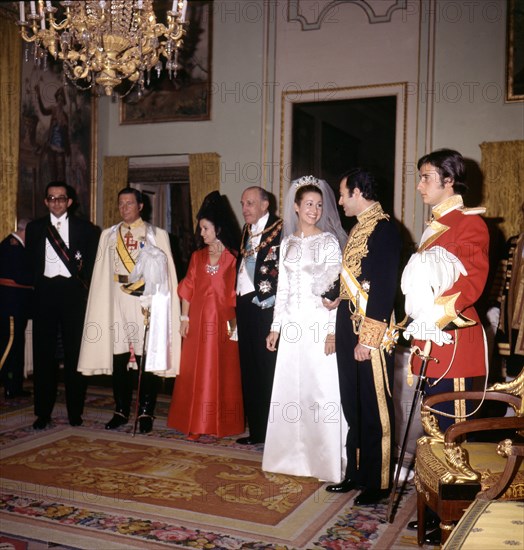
x: 257, y: 363
x: 125, y: 380
x: 59, y: 309
x: 368, y: 409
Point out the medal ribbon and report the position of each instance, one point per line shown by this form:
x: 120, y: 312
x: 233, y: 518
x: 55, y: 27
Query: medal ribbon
x: 357, y: 295
x: 123, y: 253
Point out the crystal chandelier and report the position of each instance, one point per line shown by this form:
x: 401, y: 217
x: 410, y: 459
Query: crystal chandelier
x: 103, y: 43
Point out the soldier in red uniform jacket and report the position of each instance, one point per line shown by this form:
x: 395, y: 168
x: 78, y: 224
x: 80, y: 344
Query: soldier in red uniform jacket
x: 442, y: 281
x: 453, y: 259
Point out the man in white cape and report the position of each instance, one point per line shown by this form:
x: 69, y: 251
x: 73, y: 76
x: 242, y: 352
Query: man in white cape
x: 133, y: 256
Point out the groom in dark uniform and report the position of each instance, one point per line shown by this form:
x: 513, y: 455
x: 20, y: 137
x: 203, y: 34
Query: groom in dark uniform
x: 256, y: 289
x: 365, y: 339
x: 62, y: 249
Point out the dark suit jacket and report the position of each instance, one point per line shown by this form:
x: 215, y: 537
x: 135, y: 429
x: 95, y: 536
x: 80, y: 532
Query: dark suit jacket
x: 14, y: 266
x: 266, y: 267
x: 83, y: 244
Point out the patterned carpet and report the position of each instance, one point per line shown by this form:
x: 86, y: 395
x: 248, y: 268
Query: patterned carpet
x: 89, y: 488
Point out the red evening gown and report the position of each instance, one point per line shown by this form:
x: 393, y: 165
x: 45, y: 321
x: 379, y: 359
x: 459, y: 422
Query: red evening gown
x: 207, y: 398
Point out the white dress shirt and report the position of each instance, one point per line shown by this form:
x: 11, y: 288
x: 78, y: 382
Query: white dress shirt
x: 244, y: 283
x: 54, y: 266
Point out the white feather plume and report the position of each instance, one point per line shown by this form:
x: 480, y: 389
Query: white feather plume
x: 427, y: 276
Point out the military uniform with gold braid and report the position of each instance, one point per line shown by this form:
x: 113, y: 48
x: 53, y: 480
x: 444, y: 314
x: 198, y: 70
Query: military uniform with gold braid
x: 463, y: 239
x: 365, y: 316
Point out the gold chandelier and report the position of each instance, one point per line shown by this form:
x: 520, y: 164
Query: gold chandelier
x: 105, y: 42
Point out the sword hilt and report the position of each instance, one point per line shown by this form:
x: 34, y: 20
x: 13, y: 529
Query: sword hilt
x: 424, y: 355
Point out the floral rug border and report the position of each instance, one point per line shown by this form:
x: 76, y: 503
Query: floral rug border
x: 354, y: 527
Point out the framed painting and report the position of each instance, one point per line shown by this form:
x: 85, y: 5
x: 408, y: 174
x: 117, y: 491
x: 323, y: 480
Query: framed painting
x: 515, y: 51
x: 57, y: 138
x: 186, y: 97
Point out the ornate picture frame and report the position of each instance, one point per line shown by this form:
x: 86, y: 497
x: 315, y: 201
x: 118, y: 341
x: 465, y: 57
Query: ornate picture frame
x: 186, y: 97
x: 58, y: 138
x: 515, y: 51
x: 399, y: 90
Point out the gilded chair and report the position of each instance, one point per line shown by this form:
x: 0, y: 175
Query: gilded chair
x: 491, y: 523
x: 450, y: 471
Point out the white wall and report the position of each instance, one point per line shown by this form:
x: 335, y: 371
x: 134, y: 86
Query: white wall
x: 470, y: 77
x: 234, y: 131
x: 454, y: 48
x: 351, y: 55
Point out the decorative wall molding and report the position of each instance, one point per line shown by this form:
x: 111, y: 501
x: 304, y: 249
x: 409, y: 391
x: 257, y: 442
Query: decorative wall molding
x: 158, y: 174
x: 398, y: 89
x: 296, y: 14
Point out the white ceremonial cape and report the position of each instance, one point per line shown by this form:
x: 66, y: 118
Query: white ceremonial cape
x: 96, y: 353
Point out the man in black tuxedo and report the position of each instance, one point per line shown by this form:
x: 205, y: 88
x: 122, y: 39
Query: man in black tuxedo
x: 62, y: 249
x: 256, y: 289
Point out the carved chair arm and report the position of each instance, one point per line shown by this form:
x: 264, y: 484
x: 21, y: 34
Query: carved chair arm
x: 456, y: 456
x: 514, y: 452
x: 430, y: 423
x: 459, y: 429
x: 513, y: 401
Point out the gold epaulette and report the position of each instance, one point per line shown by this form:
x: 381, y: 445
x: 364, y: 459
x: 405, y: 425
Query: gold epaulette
x: 473, y: 211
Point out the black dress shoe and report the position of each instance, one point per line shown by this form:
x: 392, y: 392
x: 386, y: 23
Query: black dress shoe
x: 117, y: 420
x: 371, y: 496
x: 41, y: 422
x: 433, y: 537
x: 248, y: 441
x: 145, y: 423
x: 75, y: 420
x: 429, y: 524
x: 12, y: 394
x: 342, y: 487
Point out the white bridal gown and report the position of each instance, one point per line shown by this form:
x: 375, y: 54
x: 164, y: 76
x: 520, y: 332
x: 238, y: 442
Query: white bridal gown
x: 306, y: 431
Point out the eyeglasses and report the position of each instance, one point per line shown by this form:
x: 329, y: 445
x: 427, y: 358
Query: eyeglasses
x: 60, y: 199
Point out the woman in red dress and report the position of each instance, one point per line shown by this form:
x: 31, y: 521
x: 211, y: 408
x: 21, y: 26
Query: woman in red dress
x: 207, y: 398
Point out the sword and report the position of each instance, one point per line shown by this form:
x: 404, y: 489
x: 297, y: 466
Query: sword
x: 10, y: 341
x: 419, y: 393
x: 146, y: 311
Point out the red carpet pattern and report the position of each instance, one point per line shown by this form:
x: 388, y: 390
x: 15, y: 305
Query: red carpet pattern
x: 89, y: 488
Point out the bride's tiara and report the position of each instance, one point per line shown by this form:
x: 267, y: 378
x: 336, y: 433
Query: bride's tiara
x: 307, y: 180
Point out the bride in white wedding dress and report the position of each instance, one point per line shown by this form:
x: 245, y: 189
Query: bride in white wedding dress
x: 306, y: 430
